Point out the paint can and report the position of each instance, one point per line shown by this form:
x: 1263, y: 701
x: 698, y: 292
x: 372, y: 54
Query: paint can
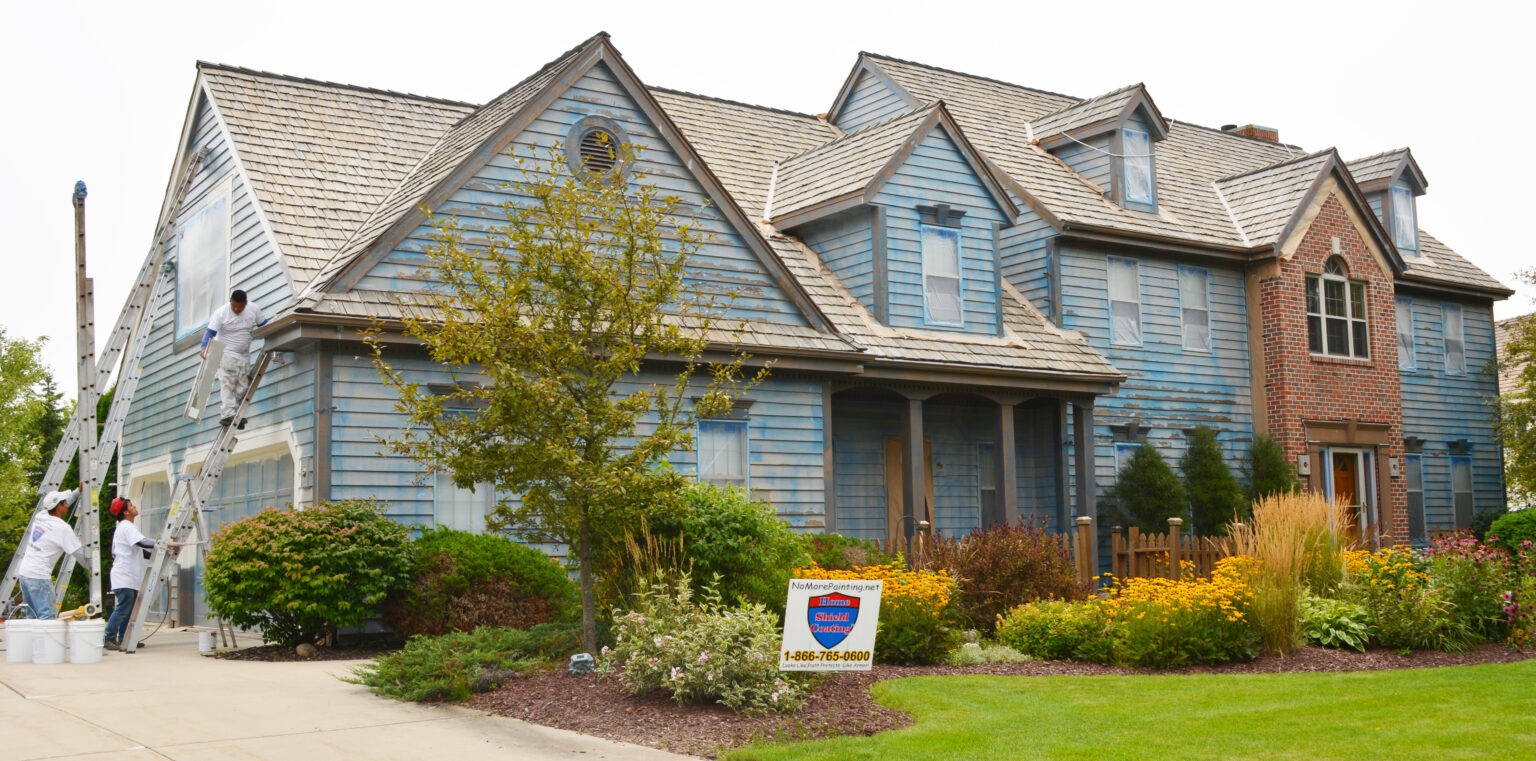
x: 48, y: 641
x: 18, y: 640
x: 206, y: 642
x: 85, y: 640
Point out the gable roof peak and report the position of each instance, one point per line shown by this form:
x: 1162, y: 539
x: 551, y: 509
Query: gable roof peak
x: 1377, y: 170
x: 931, y: 67
x: 1101, y: 113
x: 215, y: 66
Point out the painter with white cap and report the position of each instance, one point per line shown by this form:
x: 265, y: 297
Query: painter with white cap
x: 50, y: 538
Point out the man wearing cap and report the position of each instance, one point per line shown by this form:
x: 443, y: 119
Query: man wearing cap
x: 49, y: 538
x: 129, y: 547
x: 233, y: 324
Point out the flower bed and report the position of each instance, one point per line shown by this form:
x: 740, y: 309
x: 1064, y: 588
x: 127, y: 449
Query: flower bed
x: 916, y: 614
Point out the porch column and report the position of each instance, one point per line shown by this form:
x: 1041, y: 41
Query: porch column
x: 1007, y: 462
x: 1082, y: 445
x: 913, y: 476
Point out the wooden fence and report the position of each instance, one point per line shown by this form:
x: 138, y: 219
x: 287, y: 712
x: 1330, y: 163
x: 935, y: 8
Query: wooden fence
x: 1135, y: 554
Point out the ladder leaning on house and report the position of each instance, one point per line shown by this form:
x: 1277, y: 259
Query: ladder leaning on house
x: 125, y: 347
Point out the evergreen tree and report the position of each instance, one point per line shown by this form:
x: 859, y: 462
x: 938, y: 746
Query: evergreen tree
x: 1214, y: 495
x: 1147, y: 493
x: 1267, y: 470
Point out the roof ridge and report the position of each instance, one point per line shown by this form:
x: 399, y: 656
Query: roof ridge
x: 921, y: 109
x: 326, y: 83
x: 972, y: 76
x: 1091, y: 101
x: 1378, y: 155
x: 1277, y: 165
x: 559, y: 59
x: 1219, y: 131
x: 717, y: 99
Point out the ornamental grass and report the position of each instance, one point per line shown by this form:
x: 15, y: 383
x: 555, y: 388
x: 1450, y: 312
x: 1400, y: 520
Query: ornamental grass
x: 1298, y: 540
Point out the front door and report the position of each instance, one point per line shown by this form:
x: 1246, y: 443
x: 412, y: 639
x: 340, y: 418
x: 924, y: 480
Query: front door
x: 1346, y: 467
x: 1350, y: 474
x: 897, y: 526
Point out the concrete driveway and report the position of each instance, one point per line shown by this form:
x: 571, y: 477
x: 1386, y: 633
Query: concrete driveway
x: 168, y: 702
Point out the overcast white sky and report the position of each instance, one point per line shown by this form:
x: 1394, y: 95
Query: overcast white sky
x: 97, y: 92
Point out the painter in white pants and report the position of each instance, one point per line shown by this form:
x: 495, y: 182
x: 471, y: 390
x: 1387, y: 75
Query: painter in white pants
x: 234, y: 379
x: 233, y: 323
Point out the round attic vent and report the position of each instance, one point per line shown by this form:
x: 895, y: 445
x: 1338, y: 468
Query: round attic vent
x: 599, y: 151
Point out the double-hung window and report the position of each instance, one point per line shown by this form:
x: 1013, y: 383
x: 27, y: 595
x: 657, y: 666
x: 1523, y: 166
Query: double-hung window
x: 1414, y: 463
x: 1137, y: 149
x: 1124, y: 302
x: 1406, y: 360
x: 202, y: 262
x: 1455, y: 340
x: 1195, y: 308
x: 941, y: 276
x: 1124, y: 451
x: 1461, y: 489
x: 1336, y: 316
x: 724, y: 452
x: 1405, y: 226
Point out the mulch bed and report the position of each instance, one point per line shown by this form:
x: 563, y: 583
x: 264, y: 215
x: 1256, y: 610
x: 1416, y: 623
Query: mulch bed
x: 280, y: 653
x: 841, y: 704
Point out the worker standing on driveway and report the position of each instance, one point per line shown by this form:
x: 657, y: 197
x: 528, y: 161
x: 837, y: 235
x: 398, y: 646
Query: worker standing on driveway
x: 233, y: 324
x: 51, y: 537
x: 129, y: 547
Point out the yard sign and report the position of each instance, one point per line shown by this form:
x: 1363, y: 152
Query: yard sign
x: 830, y: 625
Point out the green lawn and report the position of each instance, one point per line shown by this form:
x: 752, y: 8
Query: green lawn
x: 1443, y: 713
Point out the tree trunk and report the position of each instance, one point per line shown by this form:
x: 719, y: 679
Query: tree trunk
x: 588, y: 588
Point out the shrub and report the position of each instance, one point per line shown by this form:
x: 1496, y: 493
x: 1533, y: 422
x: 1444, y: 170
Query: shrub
x: 841, y: 553
x: 1472, y: 577
x: 916, y: 611
x: 457, y: 665
x: 695, y: 647
x: 1162, y: 623
x: 1268, y: 470
x: 976, y: 654
x: 1296, y: 539
x: 1214, y: 495
x: 1002, y: 567
x: 465, y: 581
x: 1510, y: 529
x: 1482, y: 520
x: 299, y: 575
x: 1334, y: 623
x: 1147, y: 493
x: 1405, y: 611
x: 1054, y: 630
x: 1520, y: 601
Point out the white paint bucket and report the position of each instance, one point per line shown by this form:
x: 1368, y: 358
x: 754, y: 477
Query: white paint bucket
x: 205, y: 642
x: 85, y: 639
x: 18, y: 640
x: 48, y: 641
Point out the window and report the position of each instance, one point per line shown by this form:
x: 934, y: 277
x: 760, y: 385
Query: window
x: 941, y: 275
x: 1124, y: 302
x: 1194, y: 284
x: 202, y: 263
x: 1405, y: 353
x: 1124, y: 451
x: 1414, y: 464
x: 723, y: 453
x: 1405, y: 227
x: 461, y: 509
x: 1336, y: 323
x: 1461, y: 489
x: 1455, y: 340
x: 1137, y: 150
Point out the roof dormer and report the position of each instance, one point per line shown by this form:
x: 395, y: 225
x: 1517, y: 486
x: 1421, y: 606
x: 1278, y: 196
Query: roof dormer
x: 1392, y: 182
x: 1110, y: 141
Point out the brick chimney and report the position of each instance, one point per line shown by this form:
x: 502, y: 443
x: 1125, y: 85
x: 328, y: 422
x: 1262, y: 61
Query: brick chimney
x: 1253, y: 130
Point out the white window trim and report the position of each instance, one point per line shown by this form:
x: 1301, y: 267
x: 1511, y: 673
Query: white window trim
x: 1109, y: 293
x: 746, y: 452
x: 1210, y: 340
x: 1320, y: 278
x: 1129, y: 447
x: 1445, y: 337
x: 222, y: 191
x: 922, y: 256
x: 1413, y: 349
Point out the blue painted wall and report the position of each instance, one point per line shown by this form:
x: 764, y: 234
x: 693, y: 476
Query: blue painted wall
x: 845, y: 244
x: 1092, y: 161
x: 870, y: 102
x: 1439, y: 408
x: 937, y: 173
x: 1024, y: 250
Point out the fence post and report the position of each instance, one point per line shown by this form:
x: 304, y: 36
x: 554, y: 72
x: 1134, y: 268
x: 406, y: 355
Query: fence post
x: 1175, y: 549
x: 1085, y: 549
x: 1116, y: 551
x: 922, y: 544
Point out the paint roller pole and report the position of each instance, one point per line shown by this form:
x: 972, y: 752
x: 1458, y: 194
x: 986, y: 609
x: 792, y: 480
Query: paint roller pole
x: 85, y: 319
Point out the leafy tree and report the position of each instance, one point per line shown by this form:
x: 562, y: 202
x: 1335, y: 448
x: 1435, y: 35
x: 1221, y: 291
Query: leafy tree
x: 1267, y: 470
x: 22, y: 378
x: 1515, y: 414
x: 1147, y: 493
x: 553, y: 314
x: 1214, y: 495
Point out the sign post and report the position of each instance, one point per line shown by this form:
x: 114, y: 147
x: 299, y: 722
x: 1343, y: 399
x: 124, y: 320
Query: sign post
x: 829, y: 625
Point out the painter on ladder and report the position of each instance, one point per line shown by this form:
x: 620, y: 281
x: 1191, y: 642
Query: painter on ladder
x: 51, y: 537
x: 129, y: 548
x: 233, y: 323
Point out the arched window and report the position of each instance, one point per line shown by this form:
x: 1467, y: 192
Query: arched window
x: 1336, y: 315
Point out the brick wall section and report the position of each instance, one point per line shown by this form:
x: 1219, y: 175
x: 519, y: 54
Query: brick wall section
x: 1302, y: 387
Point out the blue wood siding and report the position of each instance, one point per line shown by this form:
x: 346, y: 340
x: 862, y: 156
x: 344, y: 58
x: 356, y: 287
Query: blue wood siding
x: 1378, y: 205
x: 1024, y: 250
x: 1169, y: 388
x: 785, y: 440
x: 859, y: 432
x: 723, y: 263
x: 154, y: 426
x: 937, y: 173
x: 1441, y: 408
x: 870, y: 102
x: 1037, y: 450
x: 845, y: 244
x: 1092, y: 161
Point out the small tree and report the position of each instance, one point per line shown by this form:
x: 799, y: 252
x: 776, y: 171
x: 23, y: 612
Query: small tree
x: 1214, y: 495
x: 554, y: 312
x: 1147, y: 492
x: 23, y: 408
x: 1515, y: 412
x: 1267, y: 470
